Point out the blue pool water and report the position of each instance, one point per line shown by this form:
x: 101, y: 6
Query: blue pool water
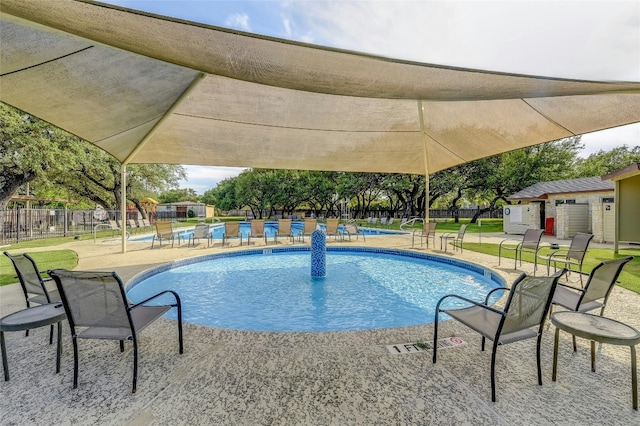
x: 272, y: 290
x: 269, y: 228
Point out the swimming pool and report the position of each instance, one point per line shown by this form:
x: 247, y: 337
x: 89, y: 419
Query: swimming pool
x: 272, y: 290
x: 270, y: 228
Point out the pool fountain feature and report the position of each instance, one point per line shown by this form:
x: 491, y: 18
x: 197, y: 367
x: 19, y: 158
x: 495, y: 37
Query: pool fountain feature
x: 318, y: 254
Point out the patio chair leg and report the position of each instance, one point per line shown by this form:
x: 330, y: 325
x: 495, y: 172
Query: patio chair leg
x: 75, y: 361
x: 435, y: 338
x: 121, y: 345
x: 493, y: 371
x: 538, y: 359
x: 51, y: 334
x: 135, y: 364
x: 5, y: 364
x: 179, y: 322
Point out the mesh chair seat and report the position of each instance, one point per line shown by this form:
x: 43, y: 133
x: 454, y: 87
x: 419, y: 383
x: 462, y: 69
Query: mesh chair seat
x: 141, y: 317
x: 570, y: 299
x: 42, y: 299
x: 486, y: 323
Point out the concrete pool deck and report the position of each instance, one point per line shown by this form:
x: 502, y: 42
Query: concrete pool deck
x: 231, y: 377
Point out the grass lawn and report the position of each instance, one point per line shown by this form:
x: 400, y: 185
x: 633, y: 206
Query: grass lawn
x: 629, y: 278
x: 67, y: 259
x: 445, y: 225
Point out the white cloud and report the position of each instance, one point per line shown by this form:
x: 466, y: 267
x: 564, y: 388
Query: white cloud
x: 238, y: 21
x: 287, y: 27
x: 588, y: 40
x: 203, y: 178
x: 606, y: 140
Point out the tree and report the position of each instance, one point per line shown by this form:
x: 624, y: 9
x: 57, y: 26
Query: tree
x: 176, y: 195
x: 29, y: 148
x: 604, y: 162
x: 253, y: 190
x: 513, y: 171
x: 54, y: 161
x: 364, y: 187
x: 223, y: 196
x: 319, y: 189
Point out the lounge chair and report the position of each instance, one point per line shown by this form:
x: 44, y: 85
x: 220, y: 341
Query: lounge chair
x: 231, y: 230
x: 530, y: 243
x: 257, y: 230
x: 352, y: 229
x: 133, y: 225
x: 332, y: 227
x: 34, y: 286
x: 390, y: 222
x: 145, y: 224
x: 456, y: 238
x: 284, y: 230
x: 310, y: 225
x: 97, y: 308
x: 383, y: 221
x: 200, y: 232
x: 573, y: 256
x: 595, y: 293
x: 522, y: 317
x: 428, y: 231
x: 164, y: 231
x: 115, y: 227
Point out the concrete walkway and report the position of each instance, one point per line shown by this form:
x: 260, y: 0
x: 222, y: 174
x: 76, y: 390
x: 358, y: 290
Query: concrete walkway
x: 231, y: 377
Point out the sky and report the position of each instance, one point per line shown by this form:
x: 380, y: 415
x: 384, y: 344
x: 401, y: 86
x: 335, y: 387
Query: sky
x: 579, y: 39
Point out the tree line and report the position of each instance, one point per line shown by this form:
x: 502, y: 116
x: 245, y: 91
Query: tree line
x: 485, y: 183
x: 56, y: 164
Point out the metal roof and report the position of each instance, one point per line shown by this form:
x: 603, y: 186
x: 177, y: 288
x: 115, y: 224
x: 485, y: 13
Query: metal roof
x: 544, y: 189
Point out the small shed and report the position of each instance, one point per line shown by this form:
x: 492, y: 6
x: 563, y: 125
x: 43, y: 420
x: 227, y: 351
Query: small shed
x: 566, y: 207
x: 626, y: 204
x: 181, y: 210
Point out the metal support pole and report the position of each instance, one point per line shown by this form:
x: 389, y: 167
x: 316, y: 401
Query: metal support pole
x: 425, y: 160
x: 123, y: 206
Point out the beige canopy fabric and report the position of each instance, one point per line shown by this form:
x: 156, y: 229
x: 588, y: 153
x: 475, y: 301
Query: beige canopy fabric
x: 151, y: 89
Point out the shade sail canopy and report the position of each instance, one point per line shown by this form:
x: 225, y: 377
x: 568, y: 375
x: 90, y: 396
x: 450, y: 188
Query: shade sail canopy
x: 152, y: 89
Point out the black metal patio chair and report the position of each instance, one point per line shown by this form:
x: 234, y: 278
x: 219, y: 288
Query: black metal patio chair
x: 522, y: 317
x: 33, y: 285
x: 568, y: 258
x: 595, y: 293
x: 530, y: 243
x: 97, y: 308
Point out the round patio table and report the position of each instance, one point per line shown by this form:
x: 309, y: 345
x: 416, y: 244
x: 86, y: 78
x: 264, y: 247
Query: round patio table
x: 597, y: 329
x: 26, y: 319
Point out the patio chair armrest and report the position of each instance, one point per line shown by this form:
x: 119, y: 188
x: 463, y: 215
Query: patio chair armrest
x: 516, y: 242
x: 548, y: 256
x: 486, y: 299
x: 175, y: 295
x: 571, y: 287
x: 473, y: 302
